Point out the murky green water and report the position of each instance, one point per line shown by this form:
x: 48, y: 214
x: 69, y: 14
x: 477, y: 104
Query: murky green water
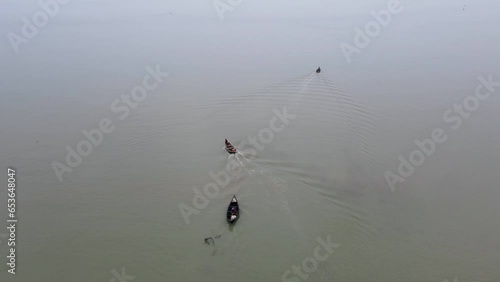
x: 316, y: 173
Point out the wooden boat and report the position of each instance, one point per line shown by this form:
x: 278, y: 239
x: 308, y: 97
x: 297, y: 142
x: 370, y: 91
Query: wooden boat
x: 230, y: 148
x: 318, y: 70
x: 233, y: 211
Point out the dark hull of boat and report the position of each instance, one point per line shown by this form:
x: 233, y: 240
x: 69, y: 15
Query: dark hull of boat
x: 233, y: 211
x: 229, y: 147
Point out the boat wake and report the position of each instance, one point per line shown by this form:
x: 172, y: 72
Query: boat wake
x: 291, y: 166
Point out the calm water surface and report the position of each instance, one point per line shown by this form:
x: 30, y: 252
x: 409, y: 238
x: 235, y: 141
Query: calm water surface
x: 321, y: 176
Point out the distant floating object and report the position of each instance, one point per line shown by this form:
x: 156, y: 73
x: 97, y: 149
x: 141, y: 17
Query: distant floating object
x: 318, y: 70
x: 229, y: 147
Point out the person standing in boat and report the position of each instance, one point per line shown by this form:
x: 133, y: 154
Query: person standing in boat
x: 318, y: 70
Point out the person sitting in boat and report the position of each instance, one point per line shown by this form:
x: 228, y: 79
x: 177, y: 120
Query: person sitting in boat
x: 233, y: 213
x: 318, y: 70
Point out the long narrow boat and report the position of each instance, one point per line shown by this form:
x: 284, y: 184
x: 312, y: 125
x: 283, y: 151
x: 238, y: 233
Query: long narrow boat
x: 229, y: 147
x: 233, y: 211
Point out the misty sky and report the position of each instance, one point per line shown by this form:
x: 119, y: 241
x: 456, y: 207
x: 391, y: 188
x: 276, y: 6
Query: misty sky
x: 247, y: 9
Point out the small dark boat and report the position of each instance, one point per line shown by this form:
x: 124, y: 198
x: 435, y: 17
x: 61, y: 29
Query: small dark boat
x: 233, y: 211
x: 318, y: 70
x: 230, y: 148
